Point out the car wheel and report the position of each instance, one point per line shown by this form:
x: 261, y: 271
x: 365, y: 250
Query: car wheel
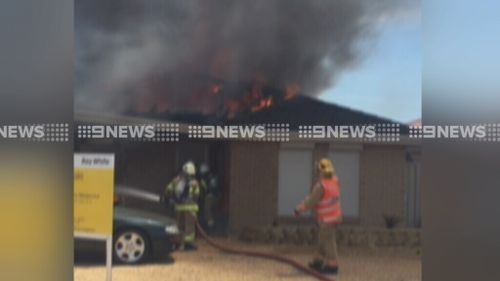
x: 130, y: 247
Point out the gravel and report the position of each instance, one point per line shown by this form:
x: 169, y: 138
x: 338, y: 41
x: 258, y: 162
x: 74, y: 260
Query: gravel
x: 209, y: 264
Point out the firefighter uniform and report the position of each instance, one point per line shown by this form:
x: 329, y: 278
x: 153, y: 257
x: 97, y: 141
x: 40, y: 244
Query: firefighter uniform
x: 184, y: 190
x: 324, y: 200
x: 208, y: 183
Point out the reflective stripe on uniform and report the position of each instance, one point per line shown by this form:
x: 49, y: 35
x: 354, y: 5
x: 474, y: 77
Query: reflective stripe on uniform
x: 189, y: 237
x: 186, y: 208
x: 195, y: 190
x: 327, y: 210
x: 328, y: 201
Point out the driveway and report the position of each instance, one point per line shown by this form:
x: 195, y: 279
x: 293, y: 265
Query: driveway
x: 209, y: 264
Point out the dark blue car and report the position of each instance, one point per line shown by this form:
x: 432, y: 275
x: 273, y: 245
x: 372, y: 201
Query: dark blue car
x: 137, y: 235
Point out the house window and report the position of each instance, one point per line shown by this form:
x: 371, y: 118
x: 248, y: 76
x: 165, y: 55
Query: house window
x: 295, y: 177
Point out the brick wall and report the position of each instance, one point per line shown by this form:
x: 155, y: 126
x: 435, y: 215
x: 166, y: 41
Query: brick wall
x: 251, y: 179
x: 382, y: 183
x: 147, y: 166
x: 253, y: 184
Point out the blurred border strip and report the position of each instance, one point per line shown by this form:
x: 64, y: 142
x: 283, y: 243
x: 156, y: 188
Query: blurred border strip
x: 36, y: 86
x: 461, y: 181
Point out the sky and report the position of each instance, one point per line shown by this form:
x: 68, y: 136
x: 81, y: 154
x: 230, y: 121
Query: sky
x: 462, y: 65
x: 387, y: 82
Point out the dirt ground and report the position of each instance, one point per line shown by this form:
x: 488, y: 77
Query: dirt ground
x: 209, y: 264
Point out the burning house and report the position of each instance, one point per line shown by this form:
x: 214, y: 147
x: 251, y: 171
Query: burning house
x: 262, y: 181
x: 239, y: 62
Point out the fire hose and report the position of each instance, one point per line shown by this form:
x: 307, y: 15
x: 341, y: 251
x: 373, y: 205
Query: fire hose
x: 257, y: 254
x: 125, y: 190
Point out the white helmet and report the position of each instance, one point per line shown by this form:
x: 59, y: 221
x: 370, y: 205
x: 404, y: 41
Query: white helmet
x: 189, y: 168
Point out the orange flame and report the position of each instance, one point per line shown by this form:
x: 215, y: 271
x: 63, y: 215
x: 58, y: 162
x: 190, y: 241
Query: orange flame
x: 263, y: 104
x: 292, y: 89
x: 210, y: 97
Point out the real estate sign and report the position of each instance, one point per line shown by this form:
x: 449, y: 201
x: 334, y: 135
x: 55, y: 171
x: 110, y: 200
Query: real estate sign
x: 93, y: 194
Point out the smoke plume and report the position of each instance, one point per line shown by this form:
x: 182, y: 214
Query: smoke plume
x: 156, y: 51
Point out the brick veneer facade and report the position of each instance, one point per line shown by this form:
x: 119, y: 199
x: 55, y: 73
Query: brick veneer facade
x: 253, y: 183
x: 249, y: 175
x: 382, y: 183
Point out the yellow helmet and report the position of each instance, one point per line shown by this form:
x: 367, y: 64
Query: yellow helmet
x: 326, y: 167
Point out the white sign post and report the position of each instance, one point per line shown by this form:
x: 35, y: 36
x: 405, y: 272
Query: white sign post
x: 93, y: 200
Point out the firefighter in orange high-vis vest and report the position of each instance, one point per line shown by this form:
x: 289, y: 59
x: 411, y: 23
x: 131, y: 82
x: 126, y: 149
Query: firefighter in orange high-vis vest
x: 324, y: 200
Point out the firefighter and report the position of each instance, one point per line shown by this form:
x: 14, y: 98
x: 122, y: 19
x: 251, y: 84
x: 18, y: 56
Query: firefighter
x: 184, y: 191
x: 208, y: 183
x: 324, y: 200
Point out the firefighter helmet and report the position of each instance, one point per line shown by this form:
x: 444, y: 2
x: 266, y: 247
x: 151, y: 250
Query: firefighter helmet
x: 326, y: 167
x: 189, y: 168
x: 204, y: 169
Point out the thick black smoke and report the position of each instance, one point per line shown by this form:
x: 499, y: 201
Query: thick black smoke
x: 127, y: 48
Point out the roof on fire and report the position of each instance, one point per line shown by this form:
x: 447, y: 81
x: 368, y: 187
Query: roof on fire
x: 304, y: 110
x: 301, y: 110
